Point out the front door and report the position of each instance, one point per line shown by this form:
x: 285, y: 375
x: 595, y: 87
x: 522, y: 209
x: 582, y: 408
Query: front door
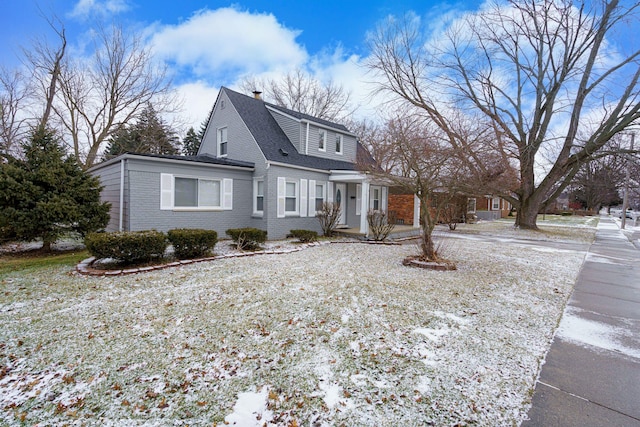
x: 341, y: 199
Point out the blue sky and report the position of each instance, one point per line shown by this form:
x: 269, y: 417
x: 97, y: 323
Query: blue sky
x: 213, y: 43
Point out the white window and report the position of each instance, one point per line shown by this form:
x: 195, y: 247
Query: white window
x: 258, y: 190
x: 495, y: 204
x: 197, y: 193
x: 319, y: 196
x: 322, y: 140
x: 291, y: 197
x: 338, y: 143
x: 222, y: 142
x: 471, y: 205
x: 177, y: 192
x: 375, y: 198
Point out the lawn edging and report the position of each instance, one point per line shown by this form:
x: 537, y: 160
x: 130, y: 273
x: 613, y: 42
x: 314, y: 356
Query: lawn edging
x: 84, y: 267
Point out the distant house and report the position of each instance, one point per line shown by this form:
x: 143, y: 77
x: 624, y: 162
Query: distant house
x: 405, y: 207
x: 489, y: 207
x: 259, y: 165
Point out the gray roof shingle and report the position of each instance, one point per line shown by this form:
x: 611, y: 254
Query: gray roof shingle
x: 272, y: 140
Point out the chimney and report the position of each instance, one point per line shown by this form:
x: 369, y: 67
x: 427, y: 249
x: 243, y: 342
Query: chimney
x: 257, y: 94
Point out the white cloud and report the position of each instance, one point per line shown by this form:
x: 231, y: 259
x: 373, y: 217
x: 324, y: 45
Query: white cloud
x: 86, y: 8
x: 227, y: 42
x: 198, y: 97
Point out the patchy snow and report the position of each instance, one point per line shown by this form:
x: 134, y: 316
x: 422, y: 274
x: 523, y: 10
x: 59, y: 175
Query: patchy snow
x: 604, y: 259
x: 250, y: 409
x: 576, y: 328
x: 336, y: 334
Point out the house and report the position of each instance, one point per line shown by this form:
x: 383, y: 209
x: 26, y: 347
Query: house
x: 259, y: 165
x: 489, y: 207
x: 405, y: 207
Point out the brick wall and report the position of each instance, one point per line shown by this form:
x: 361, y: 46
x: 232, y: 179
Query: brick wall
x: 402, y: 206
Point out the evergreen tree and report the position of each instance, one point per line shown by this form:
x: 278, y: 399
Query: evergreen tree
x: 191, y: 143
x: 150, y: 134
x: 47, y: 194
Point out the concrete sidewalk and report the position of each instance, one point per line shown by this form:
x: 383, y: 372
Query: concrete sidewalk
x: 591, y: 375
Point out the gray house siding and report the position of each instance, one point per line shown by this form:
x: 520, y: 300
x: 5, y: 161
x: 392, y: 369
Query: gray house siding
x: 110, y: 180
x: 279, y: 228
x: 241, y: 144
x: 349, y: 145
x: 144, y: 208
x: 291, y: 128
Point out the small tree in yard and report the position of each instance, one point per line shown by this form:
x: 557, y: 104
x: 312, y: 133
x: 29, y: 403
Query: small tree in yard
x: 46, y: 194
x: 411, y: 153
x: 328, y: 216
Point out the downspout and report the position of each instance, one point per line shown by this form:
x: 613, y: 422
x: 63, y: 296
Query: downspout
x: 306, y: 146
x: 120, y: 221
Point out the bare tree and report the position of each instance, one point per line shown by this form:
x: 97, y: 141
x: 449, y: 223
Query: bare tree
x: 46, y: 63
x: 411, y: 153
x: 14, y: 99
x: 537, y: 71
x: 302, y: 92
x: 97, y: 96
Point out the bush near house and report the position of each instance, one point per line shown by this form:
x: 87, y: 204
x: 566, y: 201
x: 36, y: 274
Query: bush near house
x: 192, y: 243
x: 247, y: 238
x: 328, y: 215
x: 128, y: 246
x: 305, y: 236
x: 380, y: 224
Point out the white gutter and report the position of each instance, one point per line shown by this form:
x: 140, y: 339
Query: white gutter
x: 287, y: 165
x: 121, y: 194
x: 165, y: 160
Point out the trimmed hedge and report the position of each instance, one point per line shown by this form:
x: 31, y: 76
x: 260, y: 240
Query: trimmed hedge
x: 305, y: 236
x: 192, y: 243
x: 127, y: 246
x: 247, y: 238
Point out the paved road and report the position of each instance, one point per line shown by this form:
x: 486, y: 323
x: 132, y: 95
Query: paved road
x: 591, y: 375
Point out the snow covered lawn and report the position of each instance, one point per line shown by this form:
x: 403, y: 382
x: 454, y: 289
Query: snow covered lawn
x: 338, y: 334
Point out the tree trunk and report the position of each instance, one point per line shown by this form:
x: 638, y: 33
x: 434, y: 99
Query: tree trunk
x: 46, y: 245
x: 527, y: 215
x: 428, y: 223
x: 426, y: 244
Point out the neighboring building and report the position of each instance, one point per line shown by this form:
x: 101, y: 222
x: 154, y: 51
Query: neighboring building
x: 488, y: 207
x: 259, y: 165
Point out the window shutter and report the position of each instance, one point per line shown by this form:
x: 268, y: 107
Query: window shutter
x: 303, y: 197
x: 282, y: 191
x: 383, y: 202
x: 358, y: 199
x: 330, y: 192
x: 312, y: 197
x: 166, y: 191
x: 227, y: 194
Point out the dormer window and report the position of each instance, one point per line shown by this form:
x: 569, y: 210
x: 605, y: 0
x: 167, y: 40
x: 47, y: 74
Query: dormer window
x: 338, y: 143
x: 322, y: 140
x: 222, y: 142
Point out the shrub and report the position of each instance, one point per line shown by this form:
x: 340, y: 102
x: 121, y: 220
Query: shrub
x: 380, y: 225
x: 127, y: 246
x: 305, y: 236
x: 566, y: 213
x: 328, y: 215
x: 192, y: 243
x: 247, y: 238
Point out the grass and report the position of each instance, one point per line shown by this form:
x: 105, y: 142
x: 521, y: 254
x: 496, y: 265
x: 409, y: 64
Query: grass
x: 339, y: 334
x: 34, y: 261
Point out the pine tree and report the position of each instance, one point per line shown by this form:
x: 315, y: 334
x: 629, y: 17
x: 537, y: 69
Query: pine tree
x: 191, y: 143
x: 150, y: 134
x: 47, y: 194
